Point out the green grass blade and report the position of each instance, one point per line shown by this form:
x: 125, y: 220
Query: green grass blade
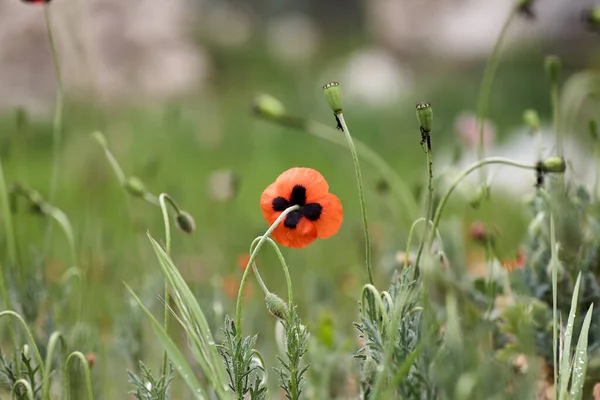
x: 580, y: 358
x: 564, y: 371
x: 175, y: 355
x: 554, y: 266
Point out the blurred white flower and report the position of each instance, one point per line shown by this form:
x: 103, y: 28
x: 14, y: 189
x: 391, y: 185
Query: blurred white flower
x: 292, y: 37
x: 226, y: 24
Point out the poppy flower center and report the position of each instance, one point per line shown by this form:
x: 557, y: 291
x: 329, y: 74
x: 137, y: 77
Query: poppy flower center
x: 311, y: 211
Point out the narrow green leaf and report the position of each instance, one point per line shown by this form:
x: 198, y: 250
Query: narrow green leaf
x: 565, y: 352
x: 175, y: 355
x: 554, y: 266
x: 580, y: 359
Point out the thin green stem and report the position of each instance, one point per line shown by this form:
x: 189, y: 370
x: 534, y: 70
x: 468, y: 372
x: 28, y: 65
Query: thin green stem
x: 463, y: 175
x: 597, y: 174
x: 429, y: 197
x: 115, y: 166
x: 554, y: 96
x: 23, y: 382
x: 86, y: 373
x: 487, y: 83
x: 54, y: 339
x: 554, y: 266
x: 57, y: 126
x: 284, y: 266
x: 377, y: 296
x: 410, y: 236
x: 36, y: 351
x: 361, y: 194
x: 262, y: 240
x: 162, y: 199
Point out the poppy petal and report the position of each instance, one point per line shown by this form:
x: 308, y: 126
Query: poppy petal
x: 331, y: 217
x: 266, y: 203
x: 315, y: 184
x: 304, y: 234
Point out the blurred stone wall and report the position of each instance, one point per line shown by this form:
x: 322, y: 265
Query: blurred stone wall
x: 116, y: 49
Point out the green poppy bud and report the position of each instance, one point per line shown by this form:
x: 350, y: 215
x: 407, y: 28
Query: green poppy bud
x: 425, y: 115
x: 276, y: 306
x: 25, y: 351
x: 552, y: 65
x: 554, y: 164
x: 333, y: 95
x: 135, y: 187
x: 532, y: 120
x: 185, y: 222
x: 369, y: 371
x: 268, y: 107
x: 593, y: 127
x: 100, y: 138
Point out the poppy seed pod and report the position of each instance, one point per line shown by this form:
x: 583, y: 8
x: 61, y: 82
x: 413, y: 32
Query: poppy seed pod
x: 134, y: 186
x: 531, y: 119
x: 333, y: 95
x: 593, y: 127
x: 552, y: 65
x: 276, y: 306
x: 425, y: 115
x: 185, y: 222
x: 268, y: 106
x: 554, y: 164
x: 100, y: 138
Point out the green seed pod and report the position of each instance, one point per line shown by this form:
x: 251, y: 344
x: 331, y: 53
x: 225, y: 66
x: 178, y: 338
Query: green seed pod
x: 100, y: 138
x: 135, y: 187
x: 268, y: 107
x: 554, y: 164
x: 593, y: 127
x: 185, y: 222
x: 333, y: 95
x: 276, y: 306
x: 552, y: 65
x: 532, y: 120
x: 425, y: 115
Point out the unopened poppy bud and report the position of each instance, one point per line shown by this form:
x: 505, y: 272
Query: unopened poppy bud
x: 276, y: 306
x: 268, y: 106
x: 552, y: 65
x: 532, y: 120
x: 333, y: 95
x: 100, y: 138
x: 554, y: 164
x: 25, y: 351
x: 135, y: 187
x: 482, y: 193
x: 593, y: 127
x: 185, y: 222
x: 425, y: 115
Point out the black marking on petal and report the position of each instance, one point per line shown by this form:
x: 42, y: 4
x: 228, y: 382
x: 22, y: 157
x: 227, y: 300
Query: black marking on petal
x: 312, y: 211
x: 280, y: 204
x: 292, y: 219
x: 298, y: 196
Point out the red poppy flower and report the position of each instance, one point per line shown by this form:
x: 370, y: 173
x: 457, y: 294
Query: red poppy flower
x: 320, y: 214
x: 36, y: 1
x: 518, y: 262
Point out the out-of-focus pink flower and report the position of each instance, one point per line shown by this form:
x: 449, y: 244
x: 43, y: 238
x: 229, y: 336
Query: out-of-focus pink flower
x: 466, y: 126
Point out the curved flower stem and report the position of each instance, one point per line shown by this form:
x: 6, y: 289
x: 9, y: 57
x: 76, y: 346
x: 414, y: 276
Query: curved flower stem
x: 163, y: 198
x: 57, y: 126
x: 86, y: 373
x: 253, y: 254
x: 361, y: 194
x: 286, y: 272
x: 410, y: 236
x: 377, y: 296
x: 397, y: 186
x: 26, y: 385
x: 463, y: 175
x: 54, y: 339
x: 485, y: 91
x: 36, y: 351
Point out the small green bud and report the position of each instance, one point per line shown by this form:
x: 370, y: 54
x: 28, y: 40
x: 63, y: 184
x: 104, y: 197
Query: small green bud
x: 276, y: 306
x: 25, y: 351
x: 425, y: 115
x: 554, y: 164
x: 333, y: 95
x: 482, y: 193
x: 369, y: 371
x: 135, y: 187
x: 532, y: 120
x: 100, y: 138
x: 552, y: 65
x: 268, y: 107
x: 185, y: 222
x: 593, y: 127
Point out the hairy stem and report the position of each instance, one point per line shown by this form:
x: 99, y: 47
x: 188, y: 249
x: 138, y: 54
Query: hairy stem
x: 429, y: 197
